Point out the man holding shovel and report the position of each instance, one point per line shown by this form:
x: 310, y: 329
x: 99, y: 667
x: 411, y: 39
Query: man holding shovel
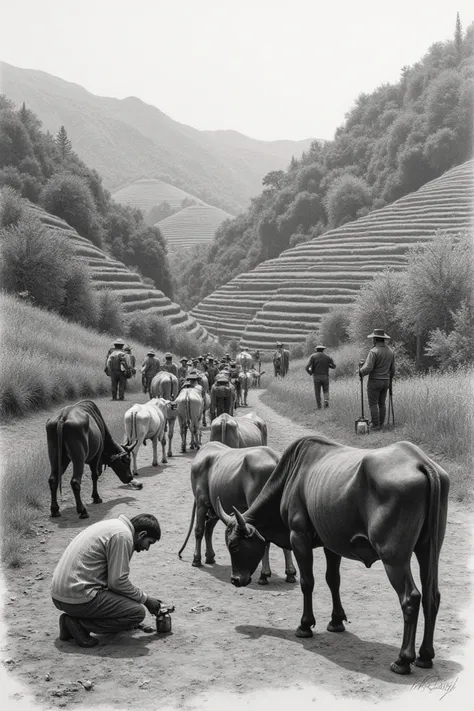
x: 380, y: 367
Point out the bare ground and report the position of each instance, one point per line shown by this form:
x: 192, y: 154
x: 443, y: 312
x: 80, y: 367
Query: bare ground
x: 246, y: 641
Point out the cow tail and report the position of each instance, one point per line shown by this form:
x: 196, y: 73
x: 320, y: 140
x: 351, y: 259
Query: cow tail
x: 190, y: 529
x: 434, y: 506
x: 60, y: 453
x: 188, y: 411
x: 223, y: 430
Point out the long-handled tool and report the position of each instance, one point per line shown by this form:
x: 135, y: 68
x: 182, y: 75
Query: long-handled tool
x: 362, y: 424
x: 390, y: 405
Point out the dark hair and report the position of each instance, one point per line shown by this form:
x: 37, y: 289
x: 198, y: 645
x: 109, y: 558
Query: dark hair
x: 147, y: 522
x: 379, y: 340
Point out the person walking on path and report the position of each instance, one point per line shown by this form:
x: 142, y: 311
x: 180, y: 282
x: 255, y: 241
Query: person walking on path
x: 116, y: 368
x: 91, y: 584
x: 182, y: 371
x: 380, y: 367
x: 169, y: 365
x: 150, y: 367
x: 318, y: 366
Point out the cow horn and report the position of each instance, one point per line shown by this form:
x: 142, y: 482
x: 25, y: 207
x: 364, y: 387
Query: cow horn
x: 128, y: 448
x: 222, y: 514
x: 240, y: 520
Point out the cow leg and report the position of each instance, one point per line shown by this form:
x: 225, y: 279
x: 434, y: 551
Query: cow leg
x: 78, y: 469
x: 94, y: 466
x: 430, y: 602
x: 134, y: 454
x: 204, y: 421
x: 201, y: 510
x: 290, y: 570
x: 265, y: 573
x: 333, y: 579
x: 301, y: 545
x: 183, y: 437
x: 170, y: 437
x: 402, y: 581
x: 54, y: 483
x: 154, y: 448
x: 163, y: 450
x: 211, y: 522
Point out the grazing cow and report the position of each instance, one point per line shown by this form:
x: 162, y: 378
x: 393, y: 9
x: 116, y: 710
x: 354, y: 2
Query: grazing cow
x: 237, y: 432
x: 165, y: 385
x: 230, y: 475
x: 148, y: 421
x: 245, y: 378
x: 190, y: 408
x: 363, y: 504
x: 244, y: 359
x: 78, y: 434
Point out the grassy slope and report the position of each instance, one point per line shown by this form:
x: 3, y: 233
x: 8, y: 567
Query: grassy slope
x: 433, y: 411
x: 285, y: 298
x: 192, y: 226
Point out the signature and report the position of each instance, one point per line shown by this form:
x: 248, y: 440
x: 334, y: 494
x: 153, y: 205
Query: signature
x: 433, y: 683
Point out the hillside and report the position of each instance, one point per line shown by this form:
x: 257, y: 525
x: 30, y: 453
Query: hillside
x: 195, y: 225
x: 284, y: 298
x: 147, y: 192
x: 126, y: 140
x: 108, y: 273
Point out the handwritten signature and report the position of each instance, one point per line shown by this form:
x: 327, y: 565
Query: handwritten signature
x: 433, y: 683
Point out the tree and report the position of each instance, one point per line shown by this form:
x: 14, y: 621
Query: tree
x: 458, y: 38
x: 80, y: 304
x: 69, y: 197
x: 376, y: 307
x: 275, y: 179
x: 456, y: 348
x: 15, y: 143
x: 334, y: 325
x: 64, y: 144
x: 12, y: 207
x: 110, y: 317
x: 346, y: 196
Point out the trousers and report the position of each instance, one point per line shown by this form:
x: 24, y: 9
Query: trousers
x: 118, y: 380
x: 106, y: 613
x: 321, y: 381
x: 377, y: 396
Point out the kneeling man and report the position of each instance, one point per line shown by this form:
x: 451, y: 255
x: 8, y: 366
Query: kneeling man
x: 91, y: 583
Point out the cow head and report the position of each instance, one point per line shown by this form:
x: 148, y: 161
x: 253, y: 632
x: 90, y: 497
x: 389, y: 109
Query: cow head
x: 120, y: 463
x: 245, y: 544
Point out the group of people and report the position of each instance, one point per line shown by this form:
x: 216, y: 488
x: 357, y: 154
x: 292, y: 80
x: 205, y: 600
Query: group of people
x: 379, y: 366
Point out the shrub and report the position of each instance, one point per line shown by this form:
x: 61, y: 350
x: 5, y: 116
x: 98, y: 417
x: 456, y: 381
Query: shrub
x: 110, y: 317
x: 456, y: 348
x: 232, y: 346
x: 160, y: 332
x: 312, y: 340
x: 376, y: 306
x: 184, y: 344
x: 11, y: 207
x: 297, y: 350
x: 80, y: 303
x: 345, y: 198
x: 333, y: 328
x: 138, y: 327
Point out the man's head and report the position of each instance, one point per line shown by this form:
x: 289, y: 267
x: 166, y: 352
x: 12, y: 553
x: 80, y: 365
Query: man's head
x: 127, y: 349
x: 168, y: 356
x: 150, y: 353
x: 279, y: 344
x: 147, y: 531
x: 119, y: 343
x: 378, y: 336
x: 320, y: 349
x: 183, y: 361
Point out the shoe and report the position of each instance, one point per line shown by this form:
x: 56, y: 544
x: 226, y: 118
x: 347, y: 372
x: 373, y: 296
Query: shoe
x: 326, y: 404
x: 121, y: 398
x: 114, y: 398
x: 69, y: 627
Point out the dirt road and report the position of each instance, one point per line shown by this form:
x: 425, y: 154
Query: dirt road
x: 246, y: 641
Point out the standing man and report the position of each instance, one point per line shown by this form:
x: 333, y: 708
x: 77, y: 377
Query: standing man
x: 318, y: 366
x: 281, y: 360
x: 91, y: 584
x: 130, y: 359
x: 257, y: 360
x: 380, y: 367
x: 169, y: 365
x: 150, y: 367
x: 182, y: 371
x: 115, y: 368
x: 211, y: 371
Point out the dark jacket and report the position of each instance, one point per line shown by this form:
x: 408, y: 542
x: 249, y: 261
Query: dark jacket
x: 319, y: 364
x: 380, y: 363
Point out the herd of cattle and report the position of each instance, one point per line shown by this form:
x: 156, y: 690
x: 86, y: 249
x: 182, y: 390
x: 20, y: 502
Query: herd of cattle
x: 362, y: 504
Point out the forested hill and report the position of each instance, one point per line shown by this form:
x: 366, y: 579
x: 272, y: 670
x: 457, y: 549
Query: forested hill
x: 393, y: 141
x: 126, y: 140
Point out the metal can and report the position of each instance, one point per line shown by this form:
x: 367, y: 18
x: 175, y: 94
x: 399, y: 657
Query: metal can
x: 163, y: 623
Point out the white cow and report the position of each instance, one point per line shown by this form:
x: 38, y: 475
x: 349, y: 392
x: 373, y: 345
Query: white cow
x: 190, y: 408
x: 245, y: 378
x: 244, y: 359
x: 147, y: 421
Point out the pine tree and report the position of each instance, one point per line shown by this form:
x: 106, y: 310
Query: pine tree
x: 63, y: 143
x: 458, y: 37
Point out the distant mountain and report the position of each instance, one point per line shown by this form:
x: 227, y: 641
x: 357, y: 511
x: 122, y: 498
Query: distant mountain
x: 127, y: 140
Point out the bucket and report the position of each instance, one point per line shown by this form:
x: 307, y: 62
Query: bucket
x: 163, y: 623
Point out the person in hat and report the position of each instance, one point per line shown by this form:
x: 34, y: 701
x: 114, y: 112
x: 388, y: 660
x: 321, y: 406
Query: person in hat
x: 318, y: 366
x: 116, y: 368
x: 200, y: 363
x: 222, y: 396
x: 169, y: 365
x: 118, y: 343
x: 211, y: 371
x: 380, y: 367
x: 192, y: 379
x: 150, y: 367
x: 130, y: 358
x: 182, y: 371
x: 281, y: 360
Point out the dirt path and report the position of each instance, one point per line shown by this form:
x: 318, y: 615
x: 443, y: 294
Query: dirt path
x: 246, y: 641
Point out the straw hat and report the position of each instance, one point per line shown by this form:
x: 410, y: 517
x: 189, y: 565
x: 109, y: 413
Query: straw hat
x: 378, y: 333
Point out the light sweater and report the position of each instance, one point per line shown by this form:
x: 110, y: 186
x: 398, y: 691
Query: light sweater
x: 97, y: 559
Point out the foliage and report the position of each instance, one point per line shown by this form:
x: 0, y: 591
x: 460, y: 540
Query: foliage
x: 376, y: 306
x: 184, y: 344
x: 334, y: 325
x: 392, y: 142
x: 110, y: 317
x: 64, y: 143
x: 69, y: 197
x: 454, y: 349
x: 80, y: 302
x: 311, y: 341
x: 11, y: 208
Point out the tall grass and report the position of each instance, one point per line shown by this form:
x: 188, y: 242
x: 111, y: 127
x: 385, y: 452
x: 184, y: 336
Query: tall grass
x: 434, y: 411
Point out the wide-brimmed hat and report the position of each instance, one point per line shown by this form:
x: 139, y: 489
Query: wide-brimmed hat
x: 150, y: 353
x: 127, y: 348
x: 119, y: 342
x: 378, y: 333
x: 192, y: 376
x: 183, y: 360
x: 189, y: 362
x: 279, y: 343
x: 168, y: 355
x: 222, y: 377
x: 320, y: 348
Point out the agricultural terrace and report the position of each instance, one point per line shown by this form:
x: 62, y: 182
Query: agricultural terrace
x: 148, y: 192
x: 193, y: 226
x: 285, y: 298
x: 110, y: 274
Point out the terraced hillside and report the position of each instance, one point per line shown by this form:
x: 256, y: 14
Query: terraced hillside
x: 108, y: 273
x: 194, y: 225
x: 148, y: 192
x: 285, y: 298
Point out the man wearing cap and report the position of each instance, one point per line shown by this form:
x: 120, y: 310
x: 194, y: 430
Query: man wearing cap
x: 182, y: 371
x: 318, y: 366
x: 222, y: 397
x: 115, y: 368
x: 380, y: 367
x: 169, y: 365
x: 150, y: 367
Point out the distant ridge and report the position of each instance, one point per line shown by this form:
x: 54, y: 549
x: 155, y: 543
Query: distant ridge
x: 148, y: 192
x: 192, y: 226
x: 285, y: 298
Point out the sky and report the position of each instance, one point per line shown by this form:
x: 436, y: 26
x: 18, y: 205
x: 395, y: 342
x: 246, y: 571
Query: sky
x: 271, y: 69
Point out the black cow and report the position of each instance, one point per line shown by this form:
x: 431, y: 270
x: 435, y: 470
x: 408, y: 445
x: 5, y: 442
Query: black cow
x: 78, y: 434
x: 380, y: 504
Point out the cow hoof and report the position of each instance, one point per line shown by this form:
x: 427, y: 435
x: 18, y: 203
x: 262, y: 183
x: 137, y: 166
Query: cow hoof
x: 55, y: 514
x: 170, y: 454
x: 210, y: 561
x: 135, y: 473
x: 97, y: 500
x: 84, y: 514
x: 423, y: 663
x: 303, y: 633
x: 336, y: 628
x: 291, y: 579
x: 263, y: 580
x: 197, y: 563
x: 163, y: 461
x: 154, y: 464
x: 400, y: 668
